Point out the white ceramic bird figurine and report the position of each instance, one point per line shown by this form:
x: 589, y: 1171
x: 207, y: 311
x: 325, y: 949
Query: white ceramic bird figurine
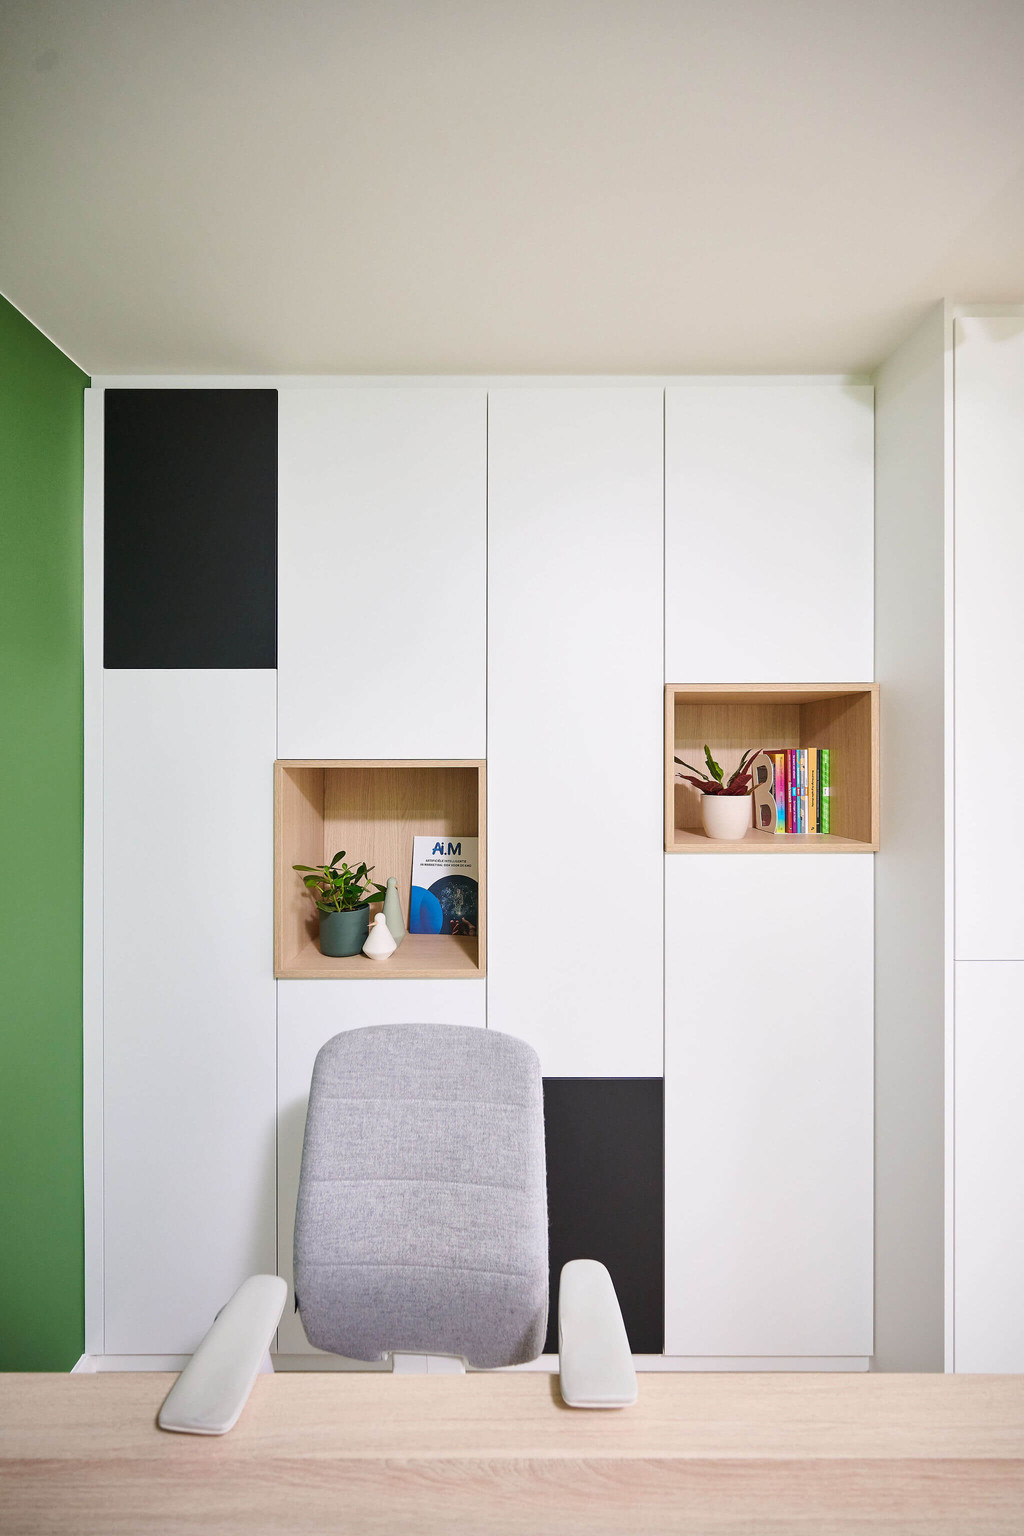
x: 379, y: 943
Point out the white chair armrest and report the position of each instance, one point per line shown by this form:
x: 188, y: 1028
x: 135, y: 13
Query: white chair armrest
x: 214, y: 1387
x: 594, y: 1359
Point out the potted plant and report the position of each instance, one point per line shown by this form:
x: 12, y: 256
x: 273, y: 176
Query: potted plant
x: 342, y: 897
x: 725, y: 804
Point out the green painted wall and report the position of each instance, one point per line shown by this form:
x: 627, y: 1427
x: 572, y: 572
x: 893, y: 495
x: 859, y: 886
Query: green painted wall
x: 41, y: 1225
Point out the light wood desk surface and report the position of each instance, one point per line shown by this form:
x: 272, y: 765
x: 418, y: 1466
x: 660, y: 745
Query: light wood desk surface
x: 711, y: 1455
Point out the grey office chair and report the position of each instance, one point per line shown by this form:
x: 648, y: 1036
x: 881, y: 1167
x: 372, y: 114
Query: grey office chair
x: 420, y: 1228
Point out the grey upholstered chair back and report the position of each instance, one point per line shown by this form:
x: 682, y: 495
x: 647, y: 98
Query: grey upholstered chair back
x: 421, y: 1223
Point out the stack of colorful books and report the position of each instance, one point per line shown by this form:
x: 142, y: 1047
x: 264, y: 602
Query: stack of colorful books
x: 802, y: 788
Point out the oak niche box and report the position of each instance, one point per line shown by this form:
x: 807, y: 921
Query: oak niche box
x: 731, y: 717
x: 372, y: 809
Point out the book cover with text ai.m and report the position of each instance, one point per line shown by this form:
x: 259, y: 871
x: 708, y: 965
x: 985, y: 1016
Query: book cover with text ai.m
x: 444, y: 885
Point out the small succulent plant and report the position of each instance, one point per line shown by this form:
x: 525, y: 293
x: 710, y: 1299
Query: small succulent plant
x: 714, y: 781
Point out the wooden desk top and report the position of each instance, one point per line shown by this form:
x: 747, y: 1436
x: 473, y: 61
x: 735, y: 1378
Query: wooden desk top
x: 710, y: 1455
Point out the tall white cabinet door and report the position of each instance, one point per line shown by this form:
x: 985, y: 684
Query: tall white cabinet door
x: 190, y: 1002
x: 574, y: 726
x: 988, y: 1328
x: 769, y: 532
x: 988, y: 633
x: 768, y: 1106
x: 382, y: 572
x: 309, y: 1014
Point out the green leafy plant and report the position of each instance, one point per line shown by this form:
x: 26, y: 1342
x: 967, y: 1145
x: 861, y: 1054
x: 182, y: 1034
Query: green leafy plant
x: 714, y: 781
x: 335, y: 887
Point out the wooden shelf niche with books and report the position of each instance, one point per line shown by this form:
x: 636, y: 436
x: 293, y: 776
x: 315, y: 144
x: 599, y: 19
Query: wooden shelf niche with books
x: 372, y: 809
x: 732, y: 717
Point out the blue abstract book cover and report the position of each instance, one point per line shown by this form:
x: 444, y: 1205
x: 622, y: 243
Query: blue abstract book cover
x: 444, y: 891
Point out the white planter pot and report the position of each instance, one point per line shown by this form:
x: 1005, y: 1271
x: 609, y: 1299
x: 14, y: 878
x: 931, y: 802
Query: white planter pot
x: 726, y: 817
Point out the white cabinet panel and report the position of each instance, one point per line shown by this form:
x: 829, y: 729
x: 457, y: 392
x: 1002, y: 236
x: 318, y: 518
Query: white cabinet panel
x: 768, y: 1106
x: 989, y: 1176
x: 574, y: 726
x: 189, y: 993
x: 309, y: 1014
x: 382, y: 572
x: 989, y: 634
x: 769, y: 533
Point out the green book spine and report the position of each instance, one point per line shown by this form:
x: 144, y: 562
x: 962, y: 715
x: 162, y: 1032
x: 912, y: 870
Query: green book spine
x: 826, y: 788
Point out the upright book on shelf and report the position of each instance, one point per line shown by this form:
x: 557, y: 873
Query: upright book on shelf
x: 445, y: 886
x: 813, y: 786
x: 778, y: 758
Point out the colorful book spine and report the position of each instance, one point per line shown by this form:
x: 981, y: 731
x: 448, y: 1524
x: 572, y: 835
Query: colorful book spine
x: 812, y: 789
x: 791, y: 789
x: 802, y: 798
x: 779, y: 762
x: 826, y: 789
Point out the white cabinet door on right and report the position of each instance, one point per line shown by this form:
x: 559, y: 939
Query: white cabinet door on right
x: 769, y: 532
x: 988, y: 1333
x: 769, y: 1100
x: 989, y: 636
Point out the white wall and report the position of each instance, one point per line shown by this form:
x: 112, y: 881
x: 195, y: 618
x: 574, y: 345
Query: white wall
x: 910, y: 892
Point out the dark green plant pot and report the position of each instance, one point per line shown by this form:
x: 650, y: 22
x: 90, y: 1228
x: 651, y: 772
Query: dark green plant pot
x: 344, y: 933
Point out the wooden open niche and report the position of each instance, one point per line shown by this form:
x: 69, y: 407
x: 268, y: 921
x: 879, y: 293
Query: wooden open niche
x: 373, y: 810
x: 731, y: 718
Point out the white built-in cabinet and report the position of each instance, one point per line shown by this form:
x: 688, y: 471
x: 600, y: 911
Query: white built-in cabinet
x: 574, y: 742
x: 382, y: 507
x: 189, y: 1001
x: 988, y: 732
x: 514, y: 573
x: 949, y: 556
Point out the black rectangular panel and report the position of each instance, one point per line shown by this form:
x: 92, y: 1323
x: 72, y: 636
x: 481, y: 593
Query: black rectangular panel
x: 606, y: 1193
x: 190, y: 541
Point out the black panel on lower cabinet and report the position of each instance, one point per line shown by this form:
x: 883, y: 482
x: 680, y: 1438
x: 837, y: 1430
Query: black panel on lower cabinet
x: 190, y: 528
x: 606, y: 1193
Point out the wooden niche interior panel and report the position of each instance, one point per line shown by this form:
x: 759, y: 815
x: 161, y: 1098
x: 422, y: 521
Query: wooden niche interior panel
x: 373, y: 810
x: 842, y: 717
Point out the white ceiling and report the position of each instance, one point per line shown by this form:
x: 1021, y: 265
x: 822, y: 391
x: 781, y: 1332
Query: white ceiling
x: 505, y: 186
